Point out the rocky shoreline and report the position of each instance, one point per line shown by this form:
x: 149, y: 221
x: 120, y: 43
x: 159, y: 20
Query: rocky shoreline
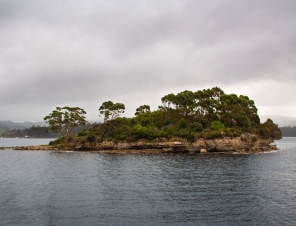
x: 246, y: 143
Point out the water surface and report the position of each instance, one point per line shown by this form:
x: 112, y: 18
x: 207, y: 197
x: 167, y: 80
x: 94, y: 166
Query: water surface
x: 52, y: 188
x: 13, y: 142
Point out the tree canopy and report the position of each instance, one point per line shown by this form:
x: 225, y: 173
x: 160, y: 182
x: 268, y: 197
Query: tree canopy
x: 110, y: 110
x: 142, y: 109
x: 188, y: 115
x: 65, y: 119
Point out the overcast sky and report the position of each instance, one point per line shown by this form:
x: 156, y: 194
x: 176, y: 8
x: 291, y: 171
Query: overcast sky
x: 82, y: 53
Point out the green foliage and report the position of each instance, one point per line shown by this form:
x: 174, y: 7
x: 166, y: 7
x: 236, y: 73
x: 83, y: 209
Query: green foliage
x: 217, y: 125
x: 142, y: 109
x: 183, y: 124
x: 65, y: 119
x: 58, y: 141
x: 111, y: 110
x: 208, y: 113
x: 91, y: 138
x: 211, y: 134
x: 265, y: 132
x: 195, y: 127
x: 139, y: 132
x: 168, y: 131
x: 83, y: 133
x: 270, y: 130
x: 210, y: 105
x: 32, y: 132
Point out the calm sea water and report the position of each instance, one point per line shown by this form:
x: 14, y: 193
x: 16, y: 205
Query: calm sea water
x: 54, y: 188
x: 13, y: 142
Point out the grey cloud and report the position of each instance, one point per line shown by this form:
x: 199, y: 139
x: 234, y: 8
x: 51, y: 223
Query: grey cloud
x: 83, y: 52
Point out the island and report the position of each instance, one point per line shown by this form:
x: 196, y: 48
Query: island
x: 204, y: 121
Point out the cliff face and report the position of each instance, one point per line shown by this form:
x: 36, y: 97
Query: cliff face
x: 246, y: 143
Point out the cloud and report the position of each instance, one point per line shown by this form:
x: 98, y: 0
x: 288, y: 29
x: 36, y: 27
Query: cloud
x: 82, y: 53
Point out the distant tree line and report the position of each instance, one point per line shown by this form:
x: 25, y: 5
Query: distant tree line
x: 39, y: 132
x: 32, y: 132
x: 288, y: 131
x: 7, y: 125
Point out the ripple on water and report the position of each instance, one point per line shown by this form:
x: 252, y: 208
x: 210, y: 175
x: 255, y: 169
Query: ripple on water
x: 47, y: 188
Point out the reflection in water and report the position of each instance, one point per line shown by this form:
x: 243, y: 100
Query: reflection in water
x: 51, y: 188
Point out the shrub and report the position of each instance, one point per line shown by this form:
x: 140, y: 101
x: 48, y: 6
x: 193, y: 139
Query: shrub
x: 91, y: 138
x: 140, y: 132
x: 167, y: 131
x: 60, y: 140
x: 196, y: 127
x: 182, y: 124
x: 217, y: 125
x: 70, y: 138
x: 265, y: 132
x: 83, y: 133
x: 122, y: 136
x: 211, y: 134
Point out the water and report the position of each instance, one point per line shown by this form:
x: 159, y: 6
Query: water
x: 13, y: 142
x: 54, y: 188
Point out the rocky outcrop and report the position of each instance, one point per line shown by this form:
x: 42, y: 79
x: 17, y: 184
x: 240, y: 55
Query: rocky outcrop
x: 246, y: 143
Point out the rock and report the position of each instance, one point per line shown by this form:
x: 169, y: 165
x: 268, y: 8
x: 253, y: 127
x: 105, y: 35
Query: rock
x: 203, y: 150
x: 246, y: 143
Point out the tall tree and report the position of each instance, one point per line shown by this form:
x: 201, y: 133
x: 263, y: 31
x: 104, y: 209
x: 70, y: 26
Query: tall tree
x: 110, y: 110
x: 65, y: 119
x: 142, y: 109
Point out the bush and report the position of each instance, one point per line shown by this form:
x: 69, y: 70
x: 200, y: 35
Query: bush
x: 121, y: 136
x: 217, y: 125
x: 91, y: 138
x: 182, y: 124
x: 265, y: 132
x: 70, y: 138
x: 123, y: 133
x: 83, y: 133
x: 60, y: 140
x: 243, y: 121
x: 196, y: 127
x: 212, y: 134
x: 140, y: 132
x: 167, y: 132
x: 182, y: 133
x: 205, y: 123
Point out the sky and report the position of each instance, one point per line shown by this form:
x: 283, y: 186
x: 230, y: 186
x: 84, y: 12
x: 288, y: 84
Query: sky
x: 82, y: 53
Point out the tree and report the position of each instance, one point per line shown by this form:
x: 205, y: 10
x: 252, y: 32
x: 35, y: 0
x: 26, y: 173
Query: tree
x: 269, y: 129
x: 65, y: 119
x: 142, y: 109
x: 111, y: 110
x: 208, y: 102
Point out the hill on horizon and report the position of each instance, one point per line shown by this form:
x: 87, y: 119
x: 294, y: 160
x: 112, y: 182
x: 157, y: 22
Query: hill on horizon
x: 8, y: 125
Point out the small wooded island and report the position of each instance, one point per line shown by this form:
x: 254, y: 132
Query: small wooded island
x: 188, y: 122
